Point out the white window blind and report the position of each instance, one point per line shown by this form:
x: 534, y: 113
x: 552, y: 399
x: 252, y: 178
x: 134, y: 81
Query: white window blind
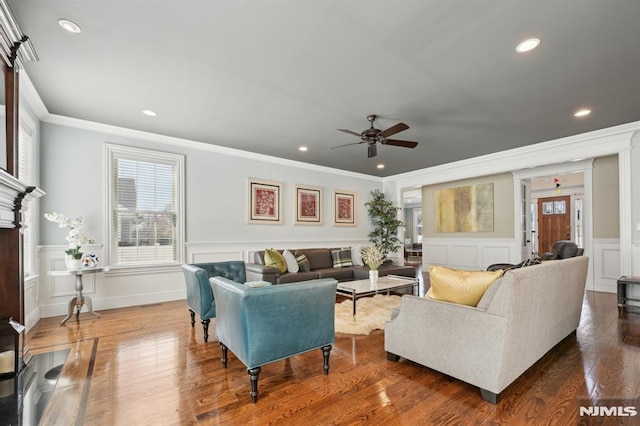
x: 25, y: 174
x: 145, y: 207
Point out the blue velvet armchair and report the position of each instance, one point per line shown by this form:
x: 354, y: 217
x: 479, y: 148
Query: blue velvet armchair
x: 200, y: 298
x: 266, y: 324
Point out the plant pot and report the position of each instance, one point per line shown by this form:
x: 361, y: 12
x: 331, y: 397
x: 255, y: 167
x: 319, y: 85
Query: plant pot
x: 373, y: 278
x: 72, y: 263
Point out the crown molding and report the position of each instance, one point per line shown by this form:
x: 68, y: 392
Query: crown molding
x: 554, y: 169
x: 31, y: 96
x: 33, y: 99
x: 589, y: 145
x: 191, y: 144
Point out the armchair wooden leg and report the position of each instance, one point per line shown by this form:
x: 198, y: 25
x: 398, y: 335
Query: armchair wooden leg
x: 205, y: 325
x: 193, y: 318
x: 223, y: 348
x: 253, y: 375
x: 326, y: 350
x: 393, y: 357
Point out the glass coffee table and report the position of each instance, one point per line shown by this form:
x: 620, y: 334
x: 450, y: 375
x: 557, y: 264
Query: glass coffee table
x: 362, y: 288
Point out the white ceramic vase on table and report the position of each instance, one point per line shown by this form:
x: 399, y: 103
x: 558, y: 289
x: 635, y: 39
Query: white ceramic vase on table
x: 72, y: 263
x: 373, y: 278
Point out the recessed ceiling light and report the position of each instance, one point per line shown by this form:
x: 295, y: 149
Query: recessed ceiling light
x: 67, y: 25
x: 303, y: 149
x: 582, y: 112
x: 149, y: 113
x: 380, y: 166
x: 527, y: 45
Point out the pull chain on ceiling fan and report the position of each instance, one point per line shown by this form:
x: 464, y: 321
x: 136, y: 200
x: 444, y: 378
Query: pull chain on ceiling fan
x: 372, y: 136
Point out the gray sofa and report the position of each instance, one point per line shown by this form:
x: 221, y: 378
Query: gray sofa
x: 519, y: 319
x: 321, y: 266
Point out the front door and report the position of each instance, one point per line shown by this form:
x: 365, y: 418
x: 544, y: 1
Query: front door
x: 554, y: 221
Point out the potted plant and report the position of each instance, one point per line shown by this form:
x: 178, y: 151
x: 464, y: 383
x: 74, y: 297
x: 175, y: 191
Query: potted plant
x: 75, y: 237
x: 383, y: 216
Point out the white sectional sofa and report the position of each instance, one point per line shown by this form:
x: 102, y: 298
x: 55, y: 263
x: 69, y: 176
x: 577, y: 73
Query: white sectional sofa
x: 518, y: 320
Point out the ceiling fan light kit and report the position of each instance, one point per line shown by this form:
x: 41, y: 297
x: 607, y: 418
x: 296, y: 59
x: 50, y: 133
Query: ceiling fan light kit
x: 372, y: 136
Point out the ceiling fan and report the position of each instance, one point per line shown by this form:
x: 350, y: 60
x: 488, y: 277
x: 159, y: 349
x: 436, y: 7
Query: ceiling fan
x: 372, y: 136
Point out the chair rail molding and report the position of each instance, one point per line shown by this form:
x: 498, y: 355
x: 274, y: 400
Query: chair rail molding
x: 223, y: 251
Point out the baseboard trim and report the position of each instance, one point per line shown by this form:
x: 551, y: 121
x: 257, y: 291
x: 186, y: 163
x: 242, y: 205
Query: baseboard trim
x: 32, y: 319
x: 58, y: 309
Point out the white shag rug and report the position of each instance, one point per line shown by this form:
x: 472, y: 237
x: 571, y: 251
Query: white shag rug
x: 371, y: 314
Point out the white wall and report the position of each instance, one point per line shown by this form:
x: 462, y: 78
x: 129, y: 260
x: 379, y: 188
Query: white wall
x: 73, y: 178
x: 72, y: 175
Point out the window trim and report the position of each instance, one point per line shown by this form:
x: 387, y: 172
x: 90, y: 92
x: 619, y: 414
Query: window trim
x: 27, y: 129
x: 113, y: 151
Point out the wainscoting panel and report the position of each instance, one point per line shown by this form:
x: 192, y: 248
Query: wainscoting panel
x: 66, y: 285
x: 121, y: 289
x: 469, y: 253
x: 606, y: 264
x: 463, y: 256
x: 495, y: 254
x: 634, y: 291
x: 635, y: 258
x: 434, y: 254
x: 31, y: 301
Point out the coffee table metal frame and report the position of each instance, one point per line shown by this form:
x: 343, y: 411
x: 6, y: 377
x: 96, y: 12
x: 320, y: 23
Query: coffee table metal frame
x: 362, y: 288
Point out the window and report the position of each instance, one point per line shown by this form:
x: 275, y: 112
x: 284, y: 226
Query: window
x: 145, y: 205
x: 26, y: 174
x: 578, y: 222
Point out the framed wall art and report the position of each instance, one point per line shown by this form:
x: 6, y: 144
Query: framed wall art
x: 308, y: 205
x: 464, y: 209
x: 344, y: 208
x: 264, y: 201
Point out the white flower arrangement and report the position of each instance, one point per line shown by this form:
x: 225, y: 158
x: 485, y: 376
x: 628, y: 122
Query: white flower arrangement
x: 75, y: 237
x: 372, y: 256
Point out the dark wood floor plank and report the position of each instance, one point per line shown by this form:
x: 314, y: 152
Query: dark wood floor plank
x: 151, y: 367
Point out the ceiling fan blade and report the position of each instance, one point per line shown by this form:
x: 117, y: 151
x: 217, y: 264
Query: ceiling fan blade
x: 350, y: 132
x: 372, y: 150
x: 393, y: 130
x: 348, y: 144
x: 396, y: 142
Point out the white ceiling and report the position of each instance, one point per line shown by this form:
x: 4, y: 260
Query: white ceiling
x: 269, y: 76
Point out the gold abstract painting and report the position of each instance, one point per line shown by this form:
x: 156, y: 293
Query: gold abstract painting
x: 464, y: 209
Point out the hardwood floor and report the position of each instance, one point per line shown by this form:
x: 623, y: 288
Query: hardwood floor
x: 146, y: 365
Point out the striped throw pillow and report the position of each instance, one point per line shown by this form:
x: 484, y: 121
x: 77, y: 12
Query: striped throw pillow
x: 302, y: 260
x: 341, y: 258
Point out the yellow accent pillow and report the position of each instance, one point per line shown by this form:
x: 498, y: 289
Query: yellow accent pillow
x: 456, y: 286
x: 274, y: 258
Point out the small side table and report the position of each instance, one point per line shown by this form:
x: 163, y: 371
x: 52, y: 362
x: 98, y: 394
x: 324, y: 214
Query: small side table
x: 623, y: 282
x: 79, y: 300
